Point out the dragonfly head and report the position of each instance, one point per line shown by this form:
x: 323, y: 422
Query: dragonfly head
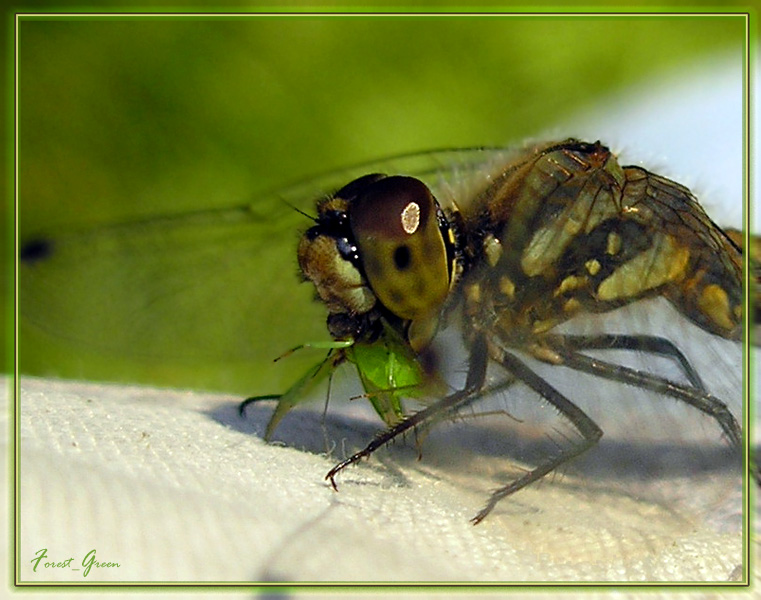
x: 381, y: 247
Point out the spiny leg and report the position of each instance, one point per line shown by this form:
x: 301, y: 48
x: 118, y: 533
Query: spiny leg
x: 455, y: 414
x: 479, y: 359
x: 642, y: 343
x: 701, y: 400
x: 589, y: 430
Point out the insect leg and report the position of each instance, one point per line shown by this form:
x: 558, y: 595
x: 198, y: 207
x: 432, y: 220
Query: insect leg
x: 642, y: 343
x: 583, y: 423
x: 299, y: 391
x: 455, y: 413
x: 248, y: 401
x: 479, y: 359
x: 701, y: 400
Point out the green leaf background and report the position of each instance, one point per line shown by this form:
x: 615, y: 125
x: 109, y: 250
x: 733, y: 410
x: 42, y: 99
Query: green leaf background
x: 133, y: 118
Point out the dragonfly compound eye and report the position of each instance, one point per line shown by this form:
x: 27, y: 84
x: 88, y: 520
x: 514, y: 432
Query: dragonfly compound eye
x: 403, y: 253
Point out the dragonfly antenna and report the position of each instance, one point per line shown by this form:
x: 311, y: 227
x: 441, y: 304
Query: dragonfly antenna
x: 298, y: 210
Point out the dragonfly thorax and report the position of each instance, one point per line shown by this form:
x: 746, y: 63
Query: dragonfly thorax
x: 381, y: 248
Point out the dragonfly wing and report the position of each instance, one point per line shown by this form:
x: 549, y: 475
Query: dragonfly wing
x: 710, y: 291
x: 210, y: 288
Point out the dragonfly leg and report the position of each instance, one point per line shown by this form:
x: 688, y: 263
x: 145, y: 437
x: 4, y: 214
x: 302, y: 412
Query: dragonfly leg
x: 695, y: 397
x: 456, y: 414
x: 698, y: 398
x: 589, y: 430
x: 641, y: 343
x: 474, y: 383
x: 703, y: 401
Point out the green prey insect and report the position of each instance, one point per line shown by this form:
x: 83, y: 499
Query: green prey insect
x: 559, y: 230
x: 389, y: 372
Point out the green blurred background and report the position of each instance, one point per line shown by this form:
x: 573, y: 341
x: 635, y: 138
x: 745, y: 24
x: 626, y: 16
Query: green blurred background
x: 124, y: 118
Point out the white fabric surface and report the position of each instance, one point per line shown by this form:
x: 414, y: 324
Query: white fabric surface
x: 174, y: 486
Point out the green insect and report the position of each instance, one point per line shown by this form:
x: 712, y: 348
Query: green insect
x: 387, y: 368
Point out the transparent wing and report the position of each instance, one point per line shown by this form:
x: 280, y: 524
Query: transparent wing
x: 211, y: 287
x: 714, y: 259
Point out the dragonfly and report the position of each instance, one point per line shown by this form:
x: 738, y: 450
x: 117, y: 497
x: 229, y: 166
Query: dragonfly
x: 559, y: 230
x: 506, y: 244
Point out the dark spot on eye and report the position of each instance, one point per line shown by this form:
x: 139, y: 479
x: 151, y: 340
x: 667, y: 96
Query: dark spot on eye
x: 35, y: 250
x: 396, y: 296
x: 402, y: 258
